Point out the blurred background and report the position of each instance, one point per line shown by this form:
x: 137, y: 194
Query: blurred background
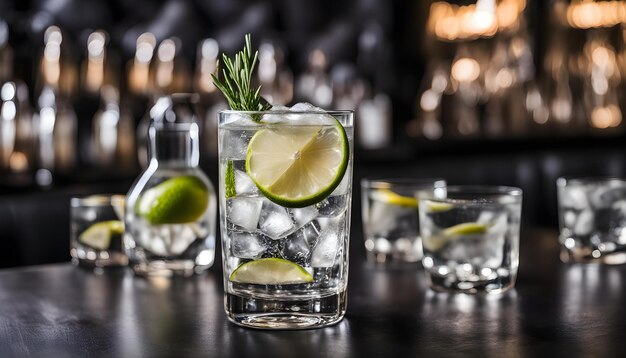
x: 510, y: 92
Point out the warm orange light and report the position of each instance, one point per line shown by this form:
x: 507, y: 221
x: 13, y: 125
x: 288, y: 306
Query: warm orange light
x: 453, y: 22
x: 589, y: 14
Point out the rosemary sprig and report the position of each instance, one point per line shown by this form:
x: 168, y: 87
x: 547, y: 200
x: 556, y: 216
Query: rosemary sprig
x: 236, y: 86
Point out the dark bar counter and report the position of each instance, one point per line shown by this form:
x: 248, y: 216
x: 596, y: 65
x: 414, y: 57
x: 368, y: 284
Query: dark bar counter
x: 556, y: 309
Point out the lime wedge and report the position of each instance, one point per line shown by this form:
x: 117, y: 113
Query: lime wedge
x: 297, y: 166
x: 178, y: 200
x: 437, y: 207
x: 270, y: 271
x: 388, y: 196
x: 99, y: 234
x: 470, y: 228
x: 437, y: 241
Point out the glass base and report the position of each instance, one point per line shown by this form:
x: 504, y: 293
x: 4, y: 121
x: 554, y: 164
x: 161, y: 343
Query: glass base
x: 492, y: 286
x: 592, y: 256
x: 168, y: 268
x: 96, y: 259
x: 291, y: 314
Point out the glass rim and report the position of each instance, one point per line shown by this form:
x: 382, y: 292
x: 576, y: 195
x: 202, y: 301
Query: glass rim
x: 386, y: 183
x: 340, y: 112
x: 565, y: 180
x: 98, y: 200
x: 476, y: 194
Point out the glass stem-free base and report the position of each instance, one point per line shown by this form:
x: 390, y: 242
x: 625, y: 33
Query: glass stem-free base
x: 94, y: 258
x: 265, y: 313
x: 168, y: 268
x: 592, y: 256
x: 492, y: 286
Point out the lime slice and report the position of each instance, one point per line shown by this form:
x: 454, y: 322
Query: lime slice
x: 270, y: 271
x: 178, y: 200
x: 99, y: 234
x: 470, y: 228
x: 437, y: 241
x: 297, y: 166
x: 388, y: 196
x: 437, y: 207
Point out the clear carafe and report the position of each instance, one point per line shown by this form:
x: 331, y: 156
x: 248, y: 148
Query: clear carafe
x: 171, y: 208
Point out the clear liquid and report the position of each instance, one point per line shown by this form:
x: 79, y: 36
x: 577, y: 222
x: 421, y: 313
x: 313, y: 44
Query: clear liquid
x: 391, y: 232
x: 164, y: 249
x: 593, y: 222
x: 472, y: 262
x: 314, y: 237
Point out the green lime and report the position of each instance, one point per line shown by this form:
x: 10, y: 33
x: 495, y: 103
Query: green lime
x: 229, y: 180
x: 99, y: 234
x: 437, y: 207
x: 388, y: 196
x: 178, y: 200
x: 297, y: 166
x: 270, y: 271
x: 435, y: 242
x: 470, y: 228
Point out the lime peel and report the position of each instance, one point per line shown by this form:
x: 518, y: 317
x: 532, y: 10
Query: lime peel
x: 469, y: 228
x: 98, y: 235
x: 390, y: 197
x: 229, y: 180
x: 178, y: 200
x: 298, y: 166
x: 270, y: 271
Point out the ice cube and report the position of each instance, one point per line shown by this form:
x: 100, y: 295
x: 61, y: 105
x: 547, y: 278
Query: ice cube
x: 605, y: 195
x: 239, y: 119
x: 246, y: 245
x: 382, y: 218
x: 325, y: 250
x: 157, y: 246
x: 275, y: 221
x: 296, y: 248
x: 585, y: 222
x: 305, y: 107
x: 620, y: 206
x: 344, y: 185
x: 569, y: 218
x: 234, y: 143
x: 245, y: 212
x: 303, y: 216
x: 575, y: 198
x: 243, y: 184
x: 333, y: 205
x: 181, y: 236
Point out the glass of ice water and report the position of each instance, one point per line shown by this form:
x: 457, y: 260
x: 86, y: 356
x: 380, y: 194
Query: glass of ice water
x: 96, y: 230
x: 470, y: 238
x: 390, y: 219
x: 592, y: 219
x: 285, y: 195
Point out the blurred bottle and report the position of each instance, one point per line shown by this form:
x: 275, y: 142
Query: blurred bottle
x: 374, y: 106
x: 55, y: 123
x: 211, y: 101
x: 113, y: 133
x: 314, y: 84
x: 275, y: 77
x: 98, y: 68
x: 171, y: 70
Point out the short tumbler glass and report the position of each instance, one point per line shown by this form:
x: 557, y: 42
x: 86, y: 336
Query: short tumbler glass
x: 390, y: 219
x: 592, y: 218
x: 471, y: 238
x: 272, y: 240
x: 97, y: 230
